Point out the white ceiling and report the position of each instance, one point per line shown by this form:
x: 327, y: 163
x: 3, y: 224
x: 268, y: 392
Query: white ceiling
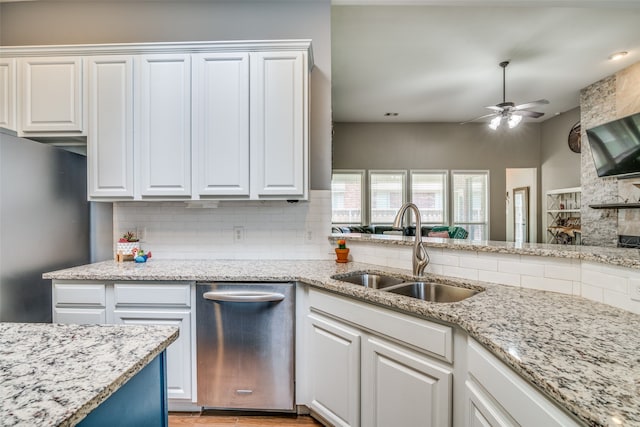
x: 433, y: 62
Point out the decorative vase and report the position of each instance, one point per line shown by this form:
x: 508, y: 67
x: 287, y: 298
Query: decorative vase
x: 342, y: 254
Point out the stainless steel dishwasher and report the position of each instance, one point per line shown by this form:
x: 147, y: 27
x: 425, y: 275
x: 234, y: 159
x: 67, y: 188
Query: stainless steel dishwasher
x: 245, y: 345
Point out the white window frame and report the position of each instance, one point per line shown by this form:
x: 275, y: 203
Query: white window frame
x: 370, y: 172
x: 446, y: 195
x: 488, y: 201
x: 363, y: 195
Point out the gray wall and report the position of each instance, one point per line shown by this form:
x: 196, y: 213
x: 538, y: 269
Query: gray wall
x: 559, y: 166
x: 51, y: 22
x: 441, y: 146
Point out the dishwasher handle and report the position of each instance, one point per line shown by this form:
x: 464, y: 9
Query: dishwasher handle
x: 243, y: 296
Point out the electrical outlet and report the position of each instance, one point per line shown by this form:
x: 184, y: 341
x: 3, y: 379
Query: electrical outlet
x: 142, y: 233
x: 238, y: 234
x: 635, y: 289
x: 308, y: 235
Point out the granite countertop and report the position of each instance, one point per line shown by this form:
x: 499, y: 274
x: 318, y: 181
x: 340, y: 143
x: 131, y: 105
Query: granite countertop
x: 582, y: 354
x: 55, y: 375
x: 623, y: 257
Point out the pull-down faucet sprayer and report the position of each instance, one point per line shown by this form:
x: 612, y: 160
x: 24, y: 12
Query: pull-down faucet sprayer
x: 420, y: 258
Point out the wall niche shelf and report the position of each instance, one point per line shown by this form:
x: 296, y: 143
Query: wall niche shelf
x: 616, y: 206
x: 563, y: 216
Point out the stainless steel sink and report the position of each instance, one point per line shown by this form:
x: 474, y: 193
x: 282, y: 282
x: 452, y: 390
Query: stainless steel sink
x: 434, y: 292
x: 369, y: 280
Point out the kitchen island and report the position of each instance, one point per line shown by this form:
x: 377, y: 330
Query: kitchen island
x: 63, y: 375
x: 581, y: 354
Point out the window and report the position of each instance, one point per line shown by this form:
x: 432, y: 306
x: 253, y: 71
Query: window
x: 346, y: 196
x: 429, y: 193
x: 470, y: 195
x: 386, y: 195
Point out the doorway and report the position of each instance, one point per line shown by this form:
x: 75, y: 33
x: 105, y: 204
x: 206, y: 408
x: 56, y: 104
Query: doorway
x: 518, y: 179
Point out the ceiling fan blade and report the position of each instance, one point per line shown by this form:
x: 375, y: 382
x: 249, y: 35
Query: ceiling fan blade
x: 494, y: 108
x: 531, y: 104
x: 481, y: 117
x: 525, y: 113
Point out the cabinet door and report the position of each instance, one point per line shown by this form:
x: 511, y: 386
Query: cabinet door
x: 165, y: 125
x: 221, y: 124
x: 110, y: 130
x: 482, y: 410
x: 279, y: 127
x: 334, y: 371
x: 401, y: 387
x: 51, y: 95
x: 8, y: 93
x: 178, y: 353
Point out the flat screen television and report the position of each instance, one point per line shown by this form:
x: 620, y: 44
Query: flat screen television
x: 616, y: 147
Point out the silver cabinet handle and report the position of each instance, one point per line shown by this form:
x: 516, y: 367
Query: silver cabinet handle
x: 243, y: 296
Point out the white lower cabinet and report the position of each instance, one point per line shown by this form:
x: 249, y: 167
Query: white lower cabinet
x: 143, y: 303
x: 402, y: 387
x: 497, y: 396
x: 178, y: 353
x: 362, y: 378
x: 335, y: 371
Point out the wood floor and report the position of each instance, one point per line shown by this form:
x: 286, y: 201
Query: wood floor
x: 182, y: 419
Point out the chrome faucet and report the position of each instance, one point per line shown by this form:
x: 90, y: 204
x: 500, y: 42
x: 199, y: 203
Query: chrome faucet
x: 420, y: 257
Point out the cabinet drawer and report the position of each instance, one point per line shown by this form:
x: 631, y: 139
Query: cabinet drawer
x: 170, y: 294
x: 422, y: 334
x: 80, y: 316
x: 91, y: 294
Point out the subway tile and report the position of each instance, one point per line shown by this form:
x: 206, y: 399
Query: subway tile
x: 563, y: 271
x: 445, y: 259
x: 479, y: 263
x: 547, y: 284
x: 594, y: 293
x: 523, y: 268
x: 464, y: 273
x: 498, y: 277
x: 621, y: 300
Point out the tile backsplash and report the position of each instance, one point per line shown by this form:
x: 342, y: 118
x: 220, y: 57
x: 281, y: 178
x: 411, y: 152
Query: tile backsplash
x: 233, y: 230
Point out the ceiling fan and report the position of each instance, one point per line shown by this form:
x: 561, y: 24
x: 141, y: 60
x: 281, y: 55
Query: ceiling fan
x: 507, y: 111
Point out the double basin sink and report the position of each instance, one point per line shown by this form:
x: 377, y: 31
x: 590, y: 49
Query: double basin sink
x: 426, y: 291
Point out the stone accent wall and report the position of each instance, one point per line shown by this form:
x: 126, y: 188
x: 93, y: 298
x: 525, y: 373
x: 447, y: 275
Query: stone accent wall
x: 599, y: 226
x: 609, y: 99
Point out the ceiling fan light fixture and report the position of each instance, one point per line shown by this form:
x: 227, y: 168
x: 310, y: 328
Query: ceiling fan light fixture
x: 495, y: 122
x: 618, y: 55
x: 514, y: 120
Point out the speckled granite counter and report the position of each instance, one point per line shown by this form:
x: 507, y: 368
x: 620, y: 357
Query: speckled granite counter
x: 582, y: 354
x: 54, y: 375
x: 614, y: 256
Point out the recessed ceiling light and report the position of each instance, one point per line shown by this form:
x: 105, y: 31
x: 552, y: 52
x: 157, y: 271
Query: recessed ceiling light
x: 617, y: 55
x: 390, y: 114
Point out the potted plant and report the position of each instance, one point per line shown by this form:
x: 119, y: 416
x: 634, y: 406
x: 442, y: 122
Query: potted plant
x: 342, y: 252
x: 127, y: 244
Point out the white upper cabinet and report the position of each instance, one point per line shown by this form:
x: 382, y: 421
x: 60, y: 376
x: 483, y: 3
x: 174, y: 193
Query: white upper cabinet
x: 279, y: 124
x: 170, y: 121
x: 8, y: 93
x: 221, y: 124
x: 110, y: 135
x: 50, y: 99
x: 165, y: 125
